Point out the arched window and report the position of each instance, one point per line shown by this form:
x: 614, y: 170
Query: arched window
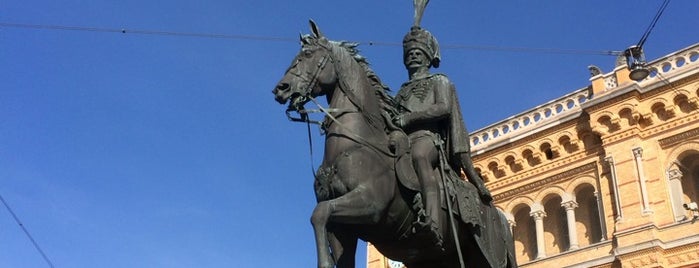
x: 683, y: 180
x: 555, y: 226
x: 587, y: 216
x: 690, y: 179
x: 524, y: 233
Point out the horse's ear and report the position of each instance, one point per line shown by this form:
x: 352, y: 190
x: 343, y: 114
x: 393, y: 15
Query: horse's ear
x: 314, y: 29
x: 303, y: 39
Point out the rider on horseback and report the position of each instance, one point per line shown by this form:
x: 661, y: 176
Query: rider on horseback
x: 430, y: 114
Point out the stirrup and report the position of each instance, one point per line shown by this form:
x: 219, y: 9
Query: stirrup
x: 430, y: 229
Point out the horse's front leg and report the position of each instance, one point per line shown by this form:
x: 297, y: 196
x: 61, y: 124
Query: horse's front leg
x: 359, y: 206
x: 319, y: 220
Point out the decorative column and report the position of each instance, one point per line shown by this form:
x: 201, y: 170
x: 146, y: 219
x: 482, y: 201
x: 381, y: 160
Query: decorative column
x: 512, y: 224
x: 600, y: 216
x: 615, y: 187
x: 674, y: 177
x: 540, y: 244
x: 572, y: 229
x: 638, y: 153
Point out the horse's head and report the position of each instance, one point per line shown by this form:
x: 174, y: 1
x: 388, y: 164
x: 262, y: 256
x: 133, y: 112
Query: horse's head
x: 311, y: 73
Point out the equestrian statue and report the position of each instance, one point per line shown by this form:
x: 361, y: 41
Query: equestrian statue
x: 392, y: 167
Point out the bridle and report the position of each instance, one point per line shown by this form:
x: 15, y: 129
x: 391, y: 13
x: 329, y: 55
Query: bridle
x: 306, y: 95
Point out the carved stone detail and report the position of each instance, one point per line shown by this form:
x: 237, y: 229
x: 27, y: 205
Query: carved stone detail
x: 610, y: 82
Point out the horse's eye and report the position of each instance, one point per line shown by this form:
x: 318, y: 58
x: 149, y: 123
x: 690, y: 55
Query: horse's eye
x: 307, y: 53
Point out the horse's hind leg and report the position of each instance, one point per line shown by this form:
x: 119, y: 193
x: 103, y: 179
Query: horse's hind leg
x: 344, y: 248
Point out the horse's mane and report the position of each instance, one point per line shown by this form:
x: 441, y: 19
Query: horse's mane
x: 386, y: 102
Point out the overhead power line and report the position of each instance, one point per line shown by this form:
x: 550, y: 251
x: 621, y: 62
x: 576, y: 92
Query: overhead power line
x: 653, y: 22
x: 538, y: 50
x: 515, y: 49
x: 146, y: 32
x: 26, y: 232
x: 283, y: 39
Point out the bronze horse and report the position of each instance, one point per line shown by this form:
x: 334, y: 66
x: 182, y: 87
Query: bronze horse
x: 358, y: 193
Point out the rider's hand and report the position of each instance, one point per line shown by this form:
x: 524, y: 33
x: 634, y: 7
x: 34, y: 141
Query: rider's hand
x: 399, y: 121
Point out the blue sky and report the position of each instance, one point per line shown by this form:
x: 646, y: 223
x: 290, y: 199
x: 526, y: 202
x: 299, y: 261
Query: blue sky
x: 130, y: 150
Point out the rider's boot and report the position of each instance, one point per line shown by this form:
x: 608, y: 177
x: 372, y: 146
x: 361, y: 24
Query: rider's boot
x: 475, y: 178
x: 432, y: 208
x: 482, y: 191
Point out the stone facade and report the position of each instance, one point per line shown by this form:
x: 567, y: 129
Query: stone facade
x: 603, y: 176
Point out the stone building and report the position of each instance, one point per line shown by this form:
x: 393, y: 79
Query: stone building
x: 605, y: 176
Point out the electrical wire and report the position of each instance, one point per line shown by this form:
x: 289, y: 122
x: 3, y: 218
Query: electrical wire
x: 538, y: 50
x: 515, y: 49
x: 26, y: 232
x: 652, y: 24
x: 145, y: 32
x: 282, y: 39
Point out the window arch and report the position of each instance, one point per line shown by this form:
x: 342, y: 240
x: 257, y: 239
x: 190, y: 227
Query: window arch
x: 555, y: 226
x: 587, y: 216
x: 524, y: 233
x: 683, y: 178
x: 690, y: 178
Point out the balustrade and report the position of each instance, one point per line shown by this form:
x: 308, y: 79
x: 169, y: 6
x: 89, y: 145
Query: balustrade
x: 528, y: 120
x: 661, y: 68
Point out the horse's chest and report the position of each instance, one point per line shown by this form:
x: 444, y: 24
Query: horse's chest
x: 325, y: 184
x: 331, y: 179
x: 345, y: 172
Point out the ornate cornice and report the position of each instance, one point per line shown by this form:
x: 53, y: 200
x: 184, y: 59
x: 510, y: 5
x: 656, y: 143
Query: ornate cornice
x: 622, y: 135
x: 659, y: 252
x: 524, y: 140
x: 603, y: 102
x: 675, y: 139
x: 678, y: 122
x: 569, y: 174
x: 541, y: 169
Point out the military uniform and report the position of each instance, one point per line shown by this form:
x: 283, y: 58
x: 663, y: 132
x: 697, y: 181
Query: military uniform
x: 430, y: 114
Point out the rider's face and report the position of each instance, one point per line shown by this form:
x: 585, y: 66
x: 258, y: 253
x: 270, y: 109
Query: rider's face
x: 416, y: 58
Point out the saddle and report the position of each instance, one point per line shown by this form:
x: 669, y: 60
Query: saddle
x: 466, y: 203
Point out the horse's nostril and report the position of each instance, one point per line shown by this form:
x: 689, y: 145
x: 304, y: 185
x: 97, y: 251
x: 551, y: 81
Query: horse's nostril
x: 282, y: 87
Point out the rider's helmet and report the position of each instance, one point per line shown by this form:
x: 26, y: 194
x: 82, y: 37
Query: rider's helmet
x: 422, y: 39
